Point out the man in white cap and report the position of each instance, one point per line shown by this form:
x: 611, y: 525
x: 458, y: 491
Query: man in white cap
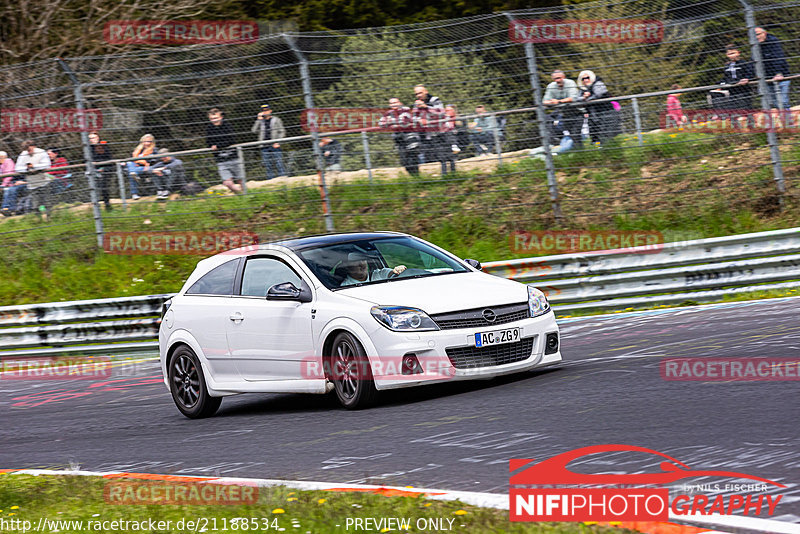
x: 357, y: 268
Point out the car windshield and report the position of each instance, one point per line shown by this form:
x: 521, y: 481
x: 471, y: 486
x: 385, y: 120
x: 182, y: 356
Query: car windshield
x: 378, y: 260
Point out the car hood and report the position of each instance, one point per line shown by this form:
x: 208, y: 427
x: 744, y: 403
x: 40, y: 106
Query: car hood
x: 442, y: 293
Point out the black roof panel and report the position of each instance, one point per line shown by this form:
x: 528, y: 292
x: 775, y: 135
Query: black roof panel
x: 303, y: 243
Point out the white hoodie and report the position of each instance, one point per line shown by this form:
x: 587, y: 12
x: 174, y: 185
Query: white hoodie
x: 39, y: 159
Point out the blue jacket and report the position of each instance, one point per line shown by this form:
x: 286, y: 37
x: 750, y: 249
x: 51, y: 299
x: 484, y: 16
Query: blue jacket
x: 774, y: 57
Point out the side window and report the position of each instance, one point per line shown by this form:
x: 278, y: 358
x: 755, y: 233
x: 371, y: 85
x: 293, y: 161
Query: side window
x: 217, y: 281
x: 262, y: 273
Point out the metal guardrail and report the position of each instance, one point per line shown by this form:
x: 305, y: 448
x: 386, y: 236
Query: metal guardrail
x: 698, y: 270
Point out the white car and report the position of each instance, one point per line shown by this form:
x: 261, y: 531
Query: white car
x: 353, y: 313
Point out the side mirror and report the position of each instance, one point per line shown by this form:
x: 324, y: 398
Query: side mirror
x: 474, y: 264
x: 289, y: 291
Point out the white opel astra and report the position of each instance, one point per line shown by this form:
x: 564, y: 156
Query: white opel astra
x: 350, y: 313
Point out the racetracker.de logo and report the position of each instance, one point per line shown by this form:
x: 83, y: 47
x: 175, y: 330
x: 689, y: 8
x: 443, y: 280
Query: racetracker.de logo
x: 730, y: 369
x: 55, y: 368
x: 620, y: 503
x: 50, y: 120
x: 178, y: 492
x: 732, y: 120
x: 586, y: 31
x: 580, y: 241
x: 181, y: 32
x: 203, y: 243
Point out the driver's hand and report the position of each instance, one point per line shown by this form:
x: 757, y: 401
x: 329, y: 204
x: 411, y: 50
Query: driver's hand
x: 399, y: 269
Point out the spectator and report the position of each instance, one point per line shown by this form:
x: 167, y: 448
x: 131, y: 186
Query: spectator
x: 460, y: 133
x: 169, y: 175
x: 101, y: 153
x: 31, y: 159
x: 448, y: 133
x: 269, y: 128
x: 399, y: 120
x: 775, y: 68
x: 219, y: 138
x: 6, y: 167
x: 61, y: 183
x: 482, y: 131
x: 675, y: 115
x: 428, y: 112
x: 331, y: 153
x: 563, y: 91
x: 146, y: 147
x: 737, y: 73
x: 604, y: 123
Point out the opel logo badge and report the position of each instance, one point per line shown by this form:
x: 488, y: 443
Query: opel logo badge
x: 489, y: 315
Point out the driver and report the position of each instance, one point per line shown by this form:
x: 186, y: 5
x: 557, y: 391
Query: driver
x: 357, y: 268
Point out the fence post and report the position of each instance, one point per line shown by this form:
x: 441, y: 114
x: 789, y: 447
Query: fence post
x: 87, y: 151
x: 497, y: 140
x: 240, y: 154
x: 121, y: 180
x: 763, y: 88
x: 544, y: 130
x: 367, y: 160
x: 305, y: 77
x: 637, y: 119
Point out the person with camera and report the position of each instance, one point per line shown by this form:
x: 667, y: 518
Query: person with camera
x: 269, y: 128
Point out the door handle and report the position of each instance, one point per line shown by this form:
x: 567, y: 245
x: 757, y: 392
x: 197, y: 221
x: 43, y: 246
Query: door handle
x: 237, y: 316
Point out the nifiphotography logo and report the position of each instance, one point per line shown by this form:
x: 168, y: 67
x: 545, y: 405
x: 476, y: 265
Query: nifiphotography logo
x: 628, y: 497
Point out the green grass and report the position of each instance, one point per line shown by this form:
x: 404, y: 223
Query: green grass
x: 74, y: 498
x: 685, y: 185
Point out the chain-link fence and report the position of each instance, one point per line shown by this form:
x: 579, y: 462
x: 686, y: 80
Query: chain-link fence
x: 635, y: 147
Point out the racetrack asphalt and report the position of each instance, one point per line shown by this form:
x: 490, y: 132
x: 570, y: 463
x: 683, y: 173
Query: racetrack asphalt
x: 456, y: 436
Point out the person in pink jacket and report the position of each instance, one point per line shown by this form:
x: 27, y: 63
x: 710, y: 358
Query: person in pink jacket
x: 6, y: 166
x: 675, y: 115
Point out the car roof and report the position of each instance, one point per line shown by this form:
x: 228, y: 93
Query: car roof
x: 304, y: 243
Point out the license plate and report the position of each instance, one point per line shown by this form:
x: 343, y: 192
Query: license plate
x: 498, y: 337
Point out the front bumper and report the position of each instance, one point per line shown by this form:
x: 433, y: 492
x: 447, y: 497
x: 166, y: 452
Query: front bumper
x: 465, y: 363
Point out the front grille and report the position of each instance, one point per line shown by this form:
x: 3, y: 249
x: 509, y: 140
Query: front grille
x: 474, y: 357
x: 507, y: 313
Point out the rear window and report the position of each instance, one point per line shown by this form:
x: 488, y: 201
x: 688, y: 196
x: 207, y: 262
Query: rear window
x: 217, y: 281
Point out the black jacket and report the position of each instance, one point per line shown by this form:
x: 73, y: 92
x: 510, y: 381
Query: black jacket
x: 774, y: 58
x: 335, y: 149
x: 221, y: 136
x: 736, y: 71
x: 100, y: 153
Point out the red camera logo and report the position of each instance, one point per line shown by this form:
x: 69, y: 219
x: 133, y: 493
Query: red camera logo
x: 618, y: 503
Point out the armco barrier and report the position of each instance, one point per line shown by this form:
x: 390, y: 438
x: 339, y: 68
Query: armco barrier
x: 699, y: 270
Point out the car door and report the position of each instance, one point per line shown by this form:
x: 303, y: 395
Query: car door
x: 205, y: 310
x: 269, y: 339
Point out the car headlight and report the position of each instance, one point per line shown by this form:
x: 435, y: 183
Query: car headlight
x: 402, y: 319
x: 537, y: 302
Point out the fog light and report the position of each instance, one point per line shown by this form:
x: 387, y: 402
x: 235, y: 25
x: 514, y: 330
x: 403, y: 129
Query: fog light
x: 551, y: 343
x: 411, y: 364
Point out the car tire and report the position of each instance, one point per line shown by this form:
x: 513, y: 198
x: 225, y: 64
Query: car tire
x: 188, y: 385
x: 351, y: 373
